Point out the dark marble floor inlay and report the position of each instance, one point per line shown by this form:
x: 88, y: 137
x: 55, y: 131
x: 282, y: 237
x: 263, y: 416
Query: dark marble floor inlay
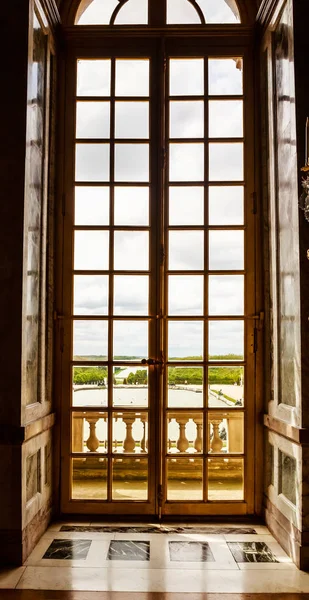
x: 257, y: 552
x: 157, y: 529
x: 68, y: 549
x: 128, y: 550
x: 190, y: 552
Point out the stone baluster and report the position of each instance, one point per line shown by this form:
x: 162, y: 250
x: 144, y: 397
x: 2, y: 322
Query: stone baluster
x: 93, y: 442
x: 78, y: 433
x: 198, y: 443
x: 216, y: 443
x: 182, y: 442
x: 129, y: 442
x: 144, y: 438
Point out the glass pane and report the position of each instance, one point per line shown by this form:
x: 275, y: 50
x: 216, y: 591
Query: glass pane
x: 91, y: 205
x: 90, y: 340
x: 89, y: 386
x: 131, y: 388
x: 185, y: 295
x: 91, y: 250
x: 132, y: 77
x: 226, y: 162
x: 225, y: 386
x: 186, y: 76
x: 226, y: 295
x: 131, y: 206
x: 225, y: 479
x: 185, y: 387
x: 185, y: 340
x: 130, y: 432
x: 134, y: 12
x: 220, y: 11
x: 225, y: 118
x: 131, y: 252
x: 185, y: 432
x: 226, y: 431
x: 92, y: 162
x: 93, y: 120
x: 225, y: 76
x: 186, y: 162
x: 95, y: 12
x: 186, y: 119
x: 90, y: 295
x: 132, y: 120
x: 186, y: 250
x: 89, y: 432
x: 184, y: 479
x: 226, y: 205
x: 181, y: 12
x: 89, y: 478
x: 131, y: 295
x: 131, y: 162
x: 226, y: 250
x: 94, y: 77
x: 130, y: 340
x: 288, y: 477
x: 186, y: 205
x: 130, y: 479
x: 226, y: 340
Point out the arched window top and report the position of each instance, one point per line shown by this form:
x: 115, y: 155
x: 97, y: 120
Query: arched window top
x: 178, y: 12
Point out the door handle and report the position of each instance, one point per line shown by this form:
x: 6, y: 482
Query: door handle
x: 151, y: 362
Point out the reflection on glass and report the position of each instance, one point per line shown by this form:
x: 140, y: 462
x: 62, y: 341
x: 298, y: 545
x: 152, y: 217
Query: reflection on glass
x: 184, y: 432
x: 130, y: 340
x: 89, y: 479
x: 226, y: 250
x: 89, y: 386
x: 131, y: 390
x: 132, y: 162
x: 185, y: 295
x: 185, y: 340
x: 226, y: 205
x: 132, y: 77
x: 186, y: 76
x: 225, y: 118
x: 89, y: 432
x: 226, y: 430
x: 186, y: 205
x: 186, y: 162
x: 94, y: 77
x: 226, y: 295
x: 131, y: 206
x: 90, y: 295
x: 220, y: 11
x: 130, y: 479
x: 225, y: 479
x: 90, y: 340
x: 226, y: 340
x: 226, y: 387
x: 96, y: 12
x: 184, y: 479
x: 92, y: 119
x: 185, y: 387
x: 92, y: 162
x: 132, y: 120
x: 226, y: 162
x: 130, y: 431
x: 131, y: 295
x: 186, y: 250
x: 186, y: 119
x: 131, y: 251
x: 91, y: 250
x: 225, y: 76
x: 181, y: 12
x: 134, y: 12
x: 91, y: 205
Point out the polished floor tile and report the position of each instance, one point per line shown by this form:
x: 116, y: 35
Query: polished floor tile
x: 190, y: 552
x: 251, y: 552
x: 68, y: 550
x: 129, y: 550
x: 160, y: 529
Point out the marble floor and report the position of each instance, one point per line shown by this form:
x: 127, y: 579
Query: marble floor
x: 145, y: 560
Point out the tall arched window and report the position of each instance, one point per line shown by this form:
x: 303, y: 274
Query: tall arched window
x: 158, y: 259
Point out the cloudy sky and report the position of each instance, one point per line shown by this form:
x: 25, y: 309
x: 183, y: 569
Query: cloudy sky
x: 186, y: 249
